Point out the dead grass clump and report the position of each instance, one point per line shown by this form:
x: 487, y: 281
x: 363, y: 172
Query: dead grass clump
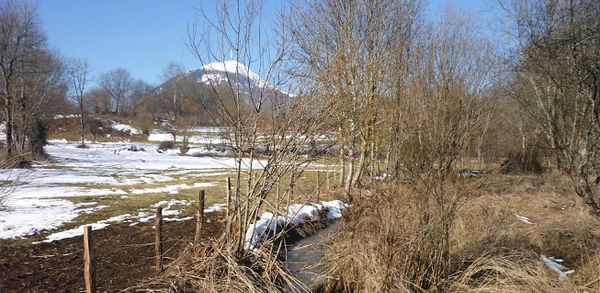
x: 497, y: 237
x: 215, y: 267
x: 515, y: 271
x: 387, y: 243
x: 588, y: 273
x: 525, y: 162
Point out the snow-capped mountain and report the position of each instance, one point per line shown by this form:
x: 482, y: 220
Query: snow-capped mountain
x: 218, y: 72
x: 223, y: 74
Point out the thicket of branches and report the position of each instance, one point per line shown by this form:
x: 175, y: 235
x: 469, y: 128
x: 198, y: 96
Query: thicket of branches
x: 31, y: 84
x: 404, y: 96
x: 556, y: 82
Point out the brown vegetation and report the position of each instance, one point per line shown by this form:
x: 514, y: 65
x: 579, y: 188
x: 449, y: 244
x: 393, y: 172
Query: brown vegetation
x: 384, y: 247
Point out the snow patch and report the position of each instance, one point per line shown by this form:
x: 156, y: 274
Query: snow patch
x: 25, y: 217
x: 334, y: 208
x: 524, y: 219
x: 124, y: 128
x: 73, y: 232
x: 555, y: 264
x: 296, y: 214
x: 216, y: 208
x: 171, y: 189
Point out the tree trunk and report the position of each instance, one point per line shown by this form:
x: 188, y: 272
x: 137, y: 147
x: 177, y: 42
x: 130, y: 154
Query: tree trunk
x: 350, y: 174
x: 118, y: 106
x: 9, y: 127
x: 361, y: 162
x: 342, y: 171
x: 82, y: 124
x: 584, y: 190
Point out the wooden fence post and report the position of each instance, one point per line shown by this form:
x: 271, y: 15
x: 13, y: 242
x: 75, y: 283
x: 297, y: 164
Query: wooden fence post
x: 158, y: 248
x: 229, y: 209
x: 89, y: 269
x: 318, y: 183
x: 292, y: 183
x: 199, y: 217
x: 277, y: 187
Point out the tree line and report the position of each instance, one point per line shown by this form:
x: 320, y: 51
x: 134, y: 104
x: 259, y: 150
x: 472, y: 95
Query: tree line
x: 38, y: 83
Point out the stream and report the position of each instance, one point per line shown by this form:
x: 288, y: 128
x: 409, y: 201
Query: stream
x: 304, y: 256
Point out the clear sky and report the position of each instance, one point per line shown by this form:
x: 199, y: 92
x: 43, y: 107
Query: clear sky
x: 141, y: 36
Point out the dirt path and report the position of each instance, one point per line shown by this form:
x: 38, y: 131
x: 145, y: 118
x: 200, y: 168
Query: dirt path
x: 123, y: 257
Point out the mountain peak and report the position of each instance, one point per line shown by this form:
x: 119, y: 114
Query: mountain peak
x: 231, y: 66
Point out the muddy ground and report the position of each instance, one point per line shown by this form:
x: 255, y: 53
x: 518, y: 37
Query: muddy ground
x: 124, y: 256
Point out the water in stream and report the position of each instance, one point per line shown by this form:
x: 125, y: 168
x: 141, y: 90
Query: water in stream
x: 304, y: 256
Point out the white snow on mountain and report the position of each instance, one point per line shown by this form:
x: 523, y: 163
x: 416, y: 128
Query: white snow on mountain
x: 233, y: 67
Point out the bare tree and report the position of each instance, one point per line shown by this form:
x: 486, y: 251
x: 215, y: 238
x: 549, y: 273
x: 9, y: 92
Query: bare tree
x: 78, y: 75
x: 352, y: 49
x: 257, y: 115
x: 173, y: 75
x: 558, y: 43
x: 118, y: 84
x: 98, y: 101
x: 20, y: 40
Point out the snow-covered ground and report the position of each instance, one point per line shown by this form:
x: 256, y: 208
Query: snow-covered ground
x: 210, y: 139
x: 40, y: 199
x: 295, y: 215
x: 125, y: 128
x: 142, y: 217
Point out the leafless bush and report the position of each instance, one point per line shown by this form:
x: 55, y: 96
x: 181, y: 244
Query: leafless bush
x: 253, y: 117
x: 528, y: 161
x: 166, y: 145
x: 7, y: 186
x: 556, y: 84
x: 438, y: 112
x: 392, y: 242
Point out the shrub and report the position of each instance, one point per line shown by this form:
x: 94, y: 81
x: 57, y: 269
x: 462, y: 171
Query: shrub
x: 98, y: 127
x: 184, y: 147
x: 527, y: 161
x: 134, y: 148
x: 38, y: 135
x: 394, y: 242
x: 166, y: 145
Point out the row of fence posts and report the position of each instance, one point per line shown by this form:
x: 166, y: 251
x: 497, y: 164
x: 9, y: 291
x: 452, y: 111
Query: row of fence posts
x: 89, y: 270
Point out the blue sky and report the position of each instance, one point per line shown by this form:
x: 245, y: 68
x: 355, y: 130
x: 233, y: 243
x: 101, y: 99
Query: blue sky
x: 141, y: 36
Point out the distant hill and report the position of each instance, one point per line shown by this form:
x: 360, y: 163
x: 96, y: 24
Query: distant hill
x: 230, y: 74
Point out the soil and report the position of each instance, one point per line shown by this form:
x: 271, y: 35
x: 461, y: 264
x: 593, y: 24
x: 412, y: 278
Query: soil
x: 124, y: 256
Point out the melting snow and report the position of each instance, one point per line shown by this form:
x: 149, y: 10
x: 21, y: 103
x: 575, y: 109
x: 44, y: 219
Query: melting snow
x: 25, y: 217
x: 195, y: 139
x: 171, y: 189
x: 296, y: 215
x: 555, y: 264
x: 524, y: 219
x: 216, y: 208
x: 125, y: 128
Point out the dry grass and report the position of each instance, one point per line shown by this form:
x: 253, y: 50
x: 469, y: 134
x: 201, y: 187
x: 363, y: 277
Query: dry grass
x: 385, y: 248
x: 387, y: 244
x: 215, y: 267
